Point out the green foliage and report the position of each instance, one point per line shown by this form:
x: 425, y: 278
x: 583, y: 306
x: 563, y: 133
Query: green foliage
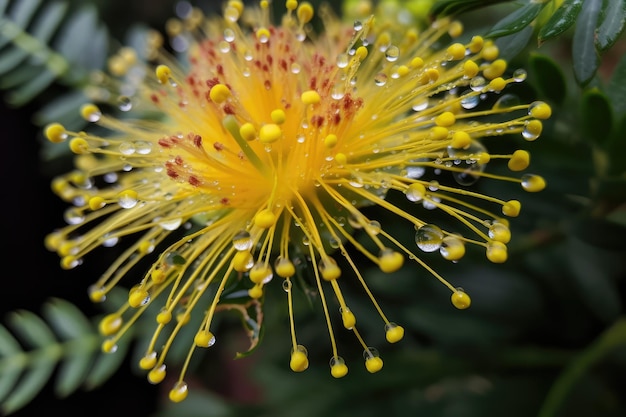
x: 33, y: 348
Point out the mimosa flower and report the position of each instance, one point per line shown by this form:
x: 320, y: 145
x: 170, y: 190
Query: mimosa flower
x: 253, y: 160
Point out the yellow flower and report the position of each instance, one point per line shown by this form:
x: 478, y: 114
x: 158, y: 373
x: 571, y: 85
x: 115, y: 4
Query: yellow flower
x: 254, y: 158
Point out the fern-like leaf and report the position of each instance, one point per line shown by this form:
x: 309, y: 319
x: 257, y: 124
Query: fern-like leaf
x: 41, y: 43
x: 62, y: 339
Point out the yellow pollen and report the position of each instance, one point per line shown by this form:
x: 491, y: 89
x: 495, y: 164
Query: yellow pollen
x: 460, y: 140
x: 540, y: 110
x: 361, y: 53
x: 338, y: 368
x: 110, y: 324
x: 497, y: 84
x: 284, y: 268
x: 156, y: 375
x: 456, y: 51
x: 291, y: 5
x: 204, y: 339
x: 79, y: 146
x: 533, y: 183
x: 403, y: 70
x: 163, y: 73
x: 390, y: 261
x: 470, y: 69
x: 137, y: 297
x: 533, y: 130
x: 438, y: 133
x: 452, y: 249
x: 96, y: 203
x: 265, y: 219
x: 519, y: 160
x: 109, y: 346
x: 417, y: 62
x: 496, y: 69
x: 148, y: 361
x: 164, y: 317
x: 90, y: 112
x: 310, y: 97
x: 373, y: 364
x: 270, y: 133
x: 456, y: 29
x: 341, y: 158
x: 247, y: 131
x: 263, y: 34
x: 490, y: 52
x: 278, y: 116
x: 394, y: 333
x: 299, y: 361
x: 242, y: 261
x: 496, y: 252
x: 179, y: 392
x: 219, y: 93
x: 460, y: 300
x: 511, y: 208
x: 259, y: 273
x: 445, y: 119
x: 55, y: 133
x: 256, y: 292
x: 476, y: 44
x: 330, y: 141
x: 305, y: 12
x: 158, y: 276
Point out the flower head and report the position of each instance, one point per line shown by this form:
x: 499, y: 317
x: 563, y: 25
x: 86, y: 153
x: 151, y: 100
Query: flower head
x: 254, y: 159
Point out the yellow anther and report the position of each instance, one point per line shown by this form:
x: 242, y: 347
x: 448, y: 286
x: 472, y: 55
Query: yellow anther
x: 204, y: 339
x: 519, y: 160
x: 291, y: 4
x: 68, y: 262
x: 460, y: 300
x: 219, y: 93
x: 495, y: 69
x: 110, y: 324
x: 496, y: 252
x: 158, y: 276
x: 331, y: 140
x: 445, y: 119
x: 138, y: 297
x: 179, y: 392
x: 79, y: 146
x: 394, y: 333
x: 310, y: 97
x: 242, y: 261
x: 483, y: 158
x: 157, y: 375
x: 256, y: 292
x: 128, y: 54
x: 278, y: 116
x: 417, y: 62
x: 260, y: 273
x: 299, y: 361
x: 511, y: 208
x: 90, y: 112
x: 390, y: 261
x: 429, y: 76
x: 145, y: 247
x: 470, y: 69
x: 66, y: 248
x: 117, y: 66
x: 490, y: 52
x: 540, y: 110
x: 237, y: 5
x: 183, y: 317
x: 164, y: 316
x: 452, y: 248
x: 497, y: 84
x: 460, y: 140
x: 341, y: 158
x: 148, y: 361
x: 305, y: 12
x: 456, y: 51
x: 438, y: 133
x: 456, y: 29
x: 264, y: 4
x: 361, y: 53
x: 532, y: 130
x: 284, y: 268
x: 265, y: 219
x: 263, y: 35
x: 270, y: 133
x: 55, y: 133
x: 247, y: 131
x: 52, y: 241
x: 97, y: 295
x: 109, y: 346
x: 173, y: 27
x: 329, y: 269
x: 338, y: 368
x: 348, y: 318
x: 500, y: 232
x: 476, y: 44
x: 96, y: 203
x: 533, y: 183
x: 163, y: 73
x: 402, y: 70
x: 373, y: 364
x: 415, y: 191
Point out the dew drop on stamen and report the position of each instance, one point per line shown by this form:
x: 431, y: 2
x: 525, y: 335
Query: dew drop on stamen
x: 124, y: 103
x: 478, y: 83
x: 343, y: 60
x: 506, y: 101
x: 73, y: 216
x: 519, y: 75
x: 420, y: 105
x: 229, y: 35
x: 392, y: 53
x: 469, y: 101
x: 242, y: 240
x: 295, y: 68
x: 429, y: 238
x: 143, y: 147
x: 373, y: 227
x: 127, y: 201
x: 380, y: 79
x: 358, y: 25
x: 126, y: 148
x: 171, y: 224
x: 109, y: 242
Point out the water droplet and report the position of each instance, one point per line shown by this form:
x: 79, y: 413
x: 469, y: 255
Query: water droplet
x: 373, y: 227
x: 229, y: 35
x: 519, y: 75
x: 170, y: 224
x: 338, y: 91
x: 506, y: 101
x: 287, y: 285
x: 126, y: 148
x: 433, y: 185
x: 343, y: 60
x: 529, y: 134
x: 127, y: 201
x: 429, y: 237
x: 477, y: 83
x: 333, y: 243
x: 380, y: 79
x: 143, y: 147
x: 73, y: 216
x: 358, y: 25
x: 224, y: 47
x: 109, y: 242
x: 469, y: 100
x: 421, y: 104
x: 392, y: 53
x: 124, y: 103
x: 295, y: 68
x: 415, y: 172
x: 242, y: 240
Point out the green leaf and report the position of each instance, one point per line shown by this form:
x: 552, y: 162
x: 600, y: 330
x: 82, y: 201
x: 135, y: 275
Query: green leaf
x: 9, y: 347
x: 66, y: 319
x: 456, y: 7
x: 612, y: 19
x: 30, y: 384
x: 29, y: 90
x: 511, y: 45
x: 32, y: 329
x: 548, y: 77
x: 616, y: 89
x: 106, y: 364
x: 516, y: 21
x: 20, y: 14
x: 585, y: 55
x: 596, y: 116
x: 560, y: 21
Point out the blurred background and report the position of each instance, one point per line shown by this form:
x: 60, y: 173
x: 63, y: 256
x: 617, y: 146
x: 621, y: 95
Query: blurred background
x: 546, y: 333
